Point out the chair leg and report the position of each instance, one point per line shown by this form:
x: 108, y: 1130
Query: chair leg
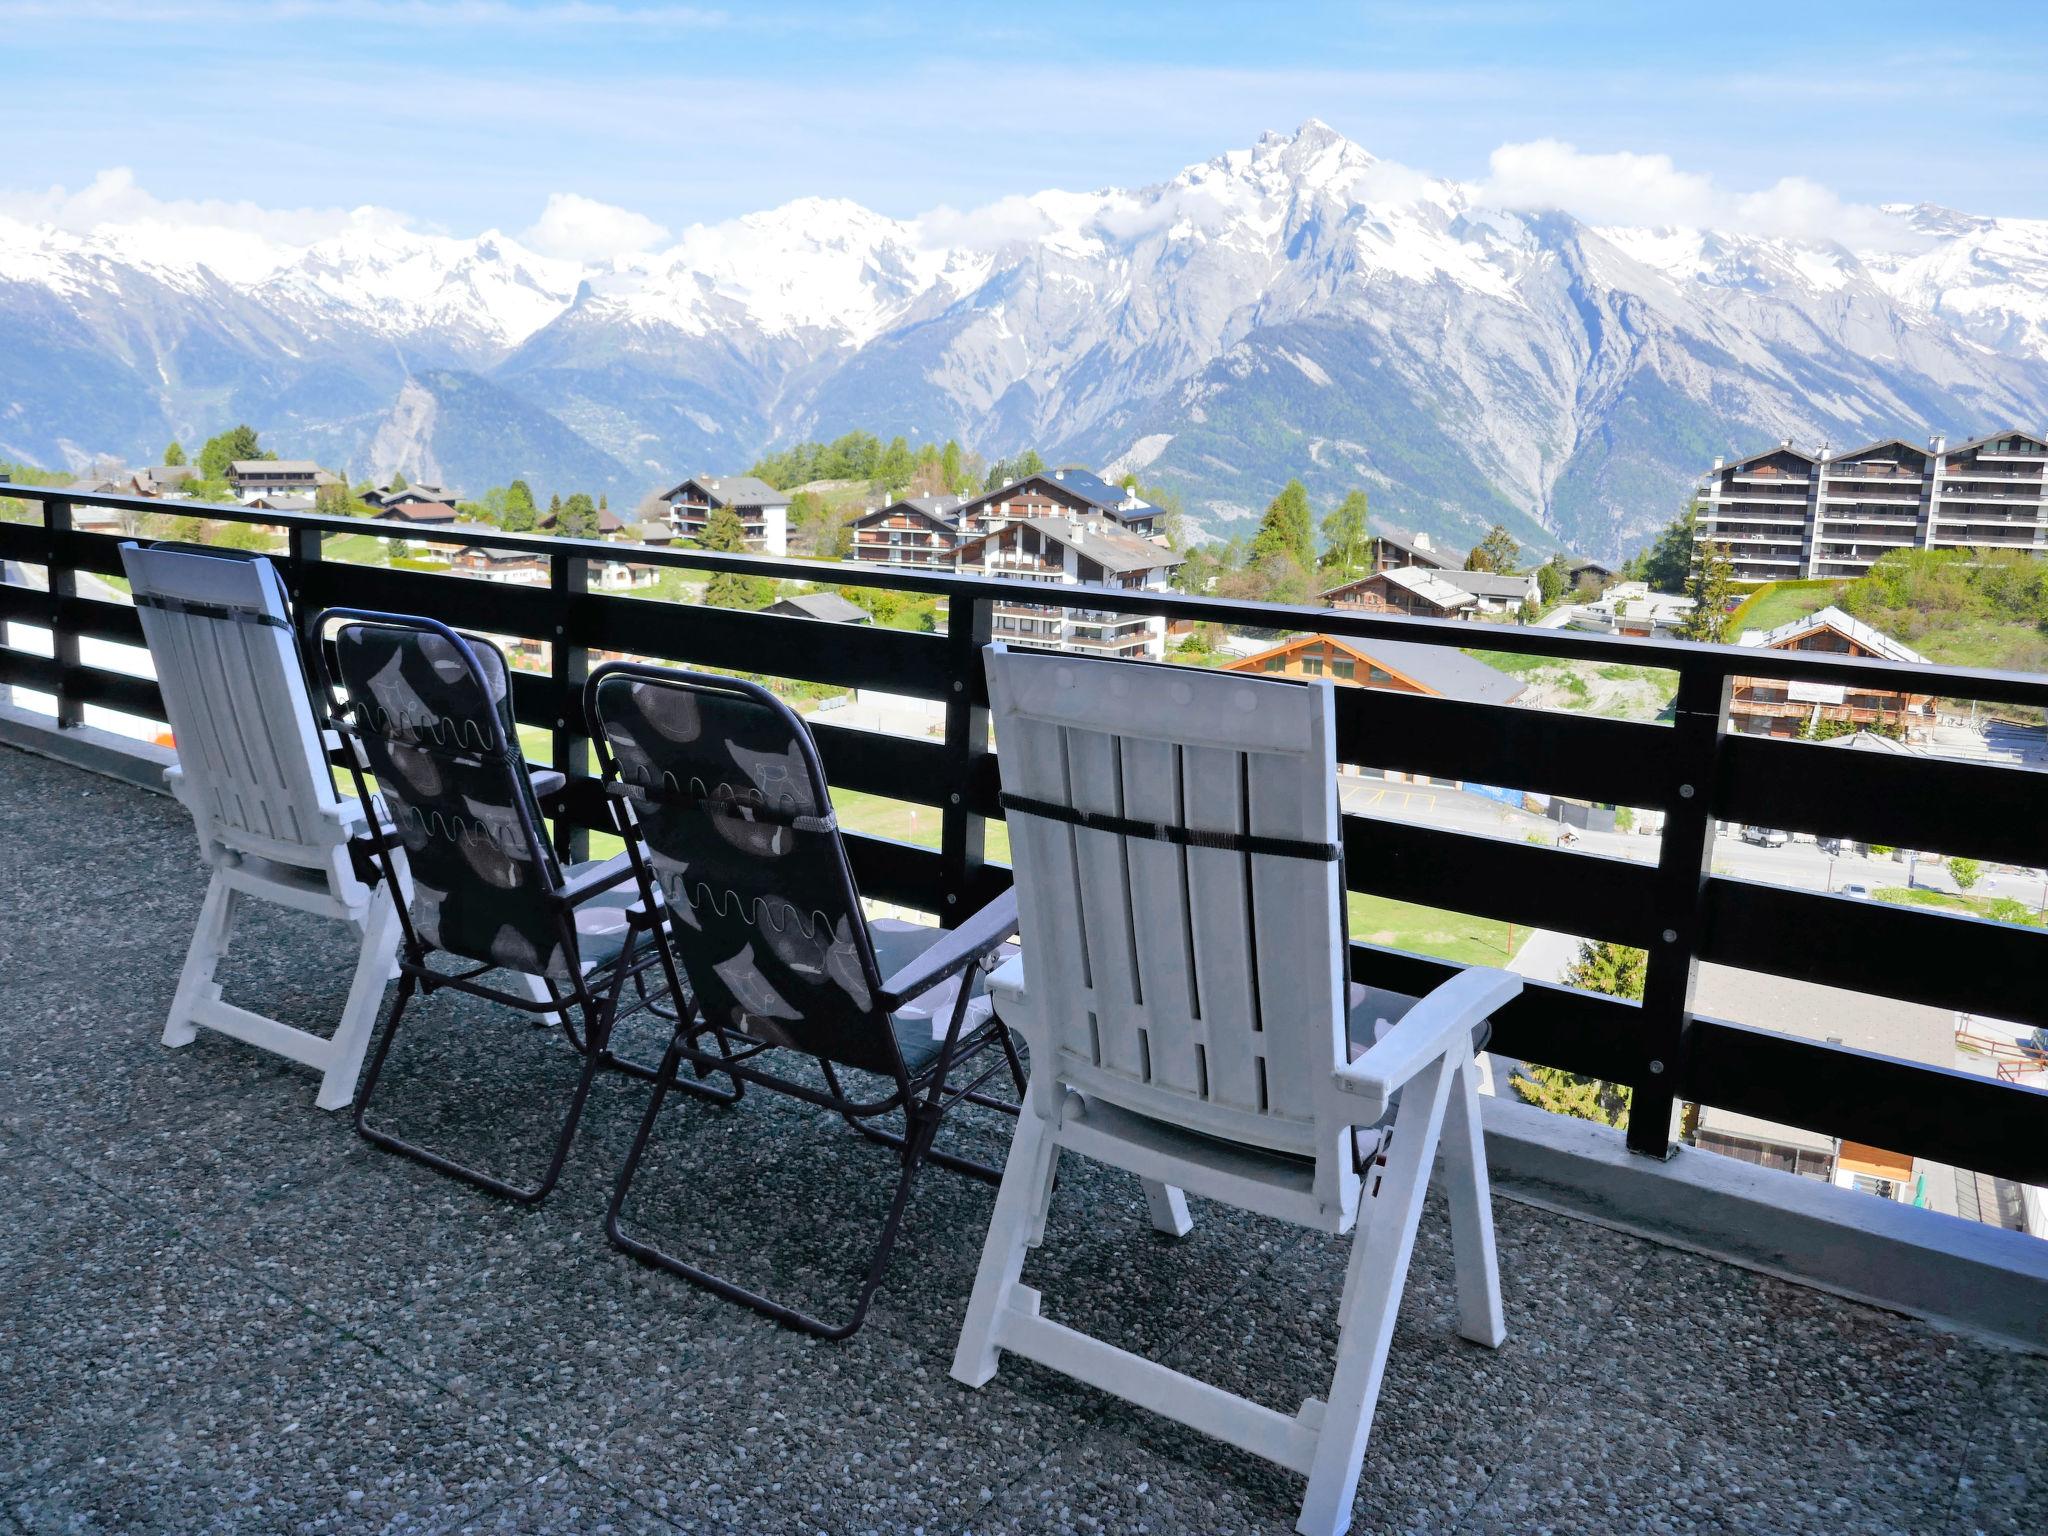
x: 209, y: 947
x: 917, y: 1147
x: 531, y: 1194
x: 366, y: 992
x: 1169, y: 1209
x: 1480, y: 1316
x: 1376, y: 1275
x: 1017, y: 1225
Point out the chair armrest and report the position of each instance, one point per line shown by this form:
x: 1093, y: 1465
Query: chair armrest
x: 546, y: 781
x: 1439, y: 1024
x: 592, y: 882
x: 981, y: 934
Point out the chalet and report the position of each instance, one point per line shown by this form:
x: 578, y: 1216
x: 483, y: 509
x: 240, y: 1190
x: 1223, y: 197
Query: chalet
x: 280, y: 501
x: 1780, y: 707
x: 919, y: 531
x: 1391, y: 551
x: 1493, y: 592
x: 657, y: 534
x: 511, y: 566
x: 385, y: 496
x: 609, y: 524
x: 163, y: 479
x: 763, y: 510
x: 418, y: 514
x: 1396, y: 666
x: 1058, y: 493
x: 1074, y: 552
x: 828, y: 606
x: 1409, y: 589
x: 258, y: 477
x: 1580, y: 572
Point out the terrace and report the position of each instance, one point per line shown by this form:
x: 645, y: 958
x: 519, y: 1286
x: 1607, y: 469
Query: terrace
x: 220, y: 1305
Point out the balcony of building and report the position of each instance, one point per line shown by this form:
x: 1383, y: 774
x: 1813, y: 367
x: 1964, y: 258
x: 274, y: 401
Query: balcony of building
x: 220, y: 1307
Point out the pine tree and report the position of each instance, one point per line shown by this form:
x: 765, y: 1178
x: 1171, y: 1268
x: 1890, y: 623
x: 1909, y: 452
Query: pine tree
x: 174, y: 454
x: 1616, y: 970
x: 893, y: 472
x: 227, y: 448
x: 577, y: 518
x: 1497, y: 552
x: 1286, y: 529
x: 1669, y: 561
x: 1344, y: 535
x: 1550, y: 580
x: 949, y: 467
x: 724, y: 532
x: 1711, y: 589
x: 398, y: 481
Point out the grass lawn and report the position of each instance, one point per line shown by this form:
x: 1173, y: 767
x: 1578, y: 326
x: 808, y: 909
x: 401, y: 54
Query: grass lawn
x: 2001, y: 909
x: 1785, y: 602
x: 1449, y: 936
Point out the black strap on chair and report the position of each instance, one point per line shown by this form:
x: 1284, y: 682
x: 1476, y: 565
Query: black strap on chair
x: 1169, y: 832
x: 200, y: 610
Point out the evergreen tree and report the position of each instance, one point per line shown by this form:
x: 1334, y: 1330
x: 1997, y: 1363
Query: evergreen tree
x: 577, y: 518
x: 1711, y: 589
x: 1497, y: 552
x: 949, y: 467
x: 1550, y: 580
x: 1618, y: 971
x: 724, y: 532
x: 520, y: 515
x: 1344, y: 535
x: 1668, y: 562
x: 398, y: 481
x: 894, y: 469
x: 226, y: 448
x: 174, y: 454
x: 1286, y: 529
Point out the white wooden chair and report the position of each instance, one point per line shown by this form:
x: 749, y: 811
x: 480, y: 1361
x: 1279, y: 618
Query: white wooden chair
x: 252, y: 769
x: 1182, y: 990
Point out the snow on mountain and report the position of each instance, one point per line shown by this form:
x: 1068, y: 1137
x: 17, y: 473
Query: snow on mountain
x: 1295, y: 307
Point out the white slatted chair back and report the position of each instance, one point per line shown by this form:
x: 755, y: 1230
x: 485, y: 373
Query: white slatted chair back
x: 252, y: 768
x: 1202, y: 987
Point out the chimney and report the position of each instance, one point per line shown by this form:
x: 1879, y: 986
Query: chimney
x: 1785, y: 442
x: 1059, y: 474
x: 1717, y: 461
x: 1422, y: 541
x: 1938, y: 442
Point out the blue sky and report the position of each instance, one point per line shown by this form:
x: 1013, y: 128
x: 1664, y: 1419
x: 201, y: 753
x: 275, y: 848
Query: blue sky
x: 469, y: 114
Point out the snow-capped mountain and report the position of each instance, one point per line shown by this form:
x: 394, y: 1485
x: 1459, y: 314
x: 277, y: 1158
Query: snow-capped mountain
x: 1298, y: 307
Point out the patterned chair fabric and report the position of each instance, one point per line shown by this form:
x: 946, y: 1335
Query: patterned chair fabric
x: 737, y: 820
x: 433, y: 712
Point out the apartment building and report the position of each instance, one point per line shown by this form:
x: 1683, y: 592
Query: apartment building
x: 259, y: 477
x: 1059, y: 493
x: 1074, y: 552
x: 1771, y: 706
x: 920, y: 532
x: 1785, y: 514
x: 763, y: 510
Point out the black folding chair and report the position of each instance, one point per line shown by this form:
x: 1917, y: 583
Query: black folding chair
x: 429, y: 713
x: 717, y: 790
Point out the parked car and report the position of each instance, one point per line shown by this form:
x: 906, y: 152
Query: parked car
x: 1843, y: 847
x: 1855, y: 888
x: 1766, y: 837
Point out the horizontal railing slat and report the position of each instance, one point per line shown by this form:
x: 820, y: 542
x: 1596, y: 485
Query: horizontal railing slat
x: 1614, y: 762
x: 1513, y: 882
x: 1931, y: 1112
x: 1982, y: 810
x: 1909, y: 953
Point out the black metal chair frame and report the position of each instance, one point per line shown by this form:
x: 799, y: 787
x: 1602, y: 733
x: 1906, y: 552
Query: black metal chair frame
x: 923, y: 1098
x: 595, y: 994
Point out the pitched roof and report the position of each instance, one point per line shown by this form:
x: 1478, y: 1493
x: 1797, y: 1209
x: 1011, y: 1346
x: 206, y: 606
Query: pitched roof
x: 1988, y: 437
x: 1797, y: 453
x: 1487, y: 583
x: 419, y: 512
x: 1418, y: 547
x: 732, y: 491
x: 1883, y: 442
x: 274, y: 467
x: 654, y: 533
x: 1084, y: 485
x: 1099, y: 540
x: 821, y: 605
x: 1833, y: 618
x: 1439, y: 669
x: 942, y: 510
x: 1426, y: 584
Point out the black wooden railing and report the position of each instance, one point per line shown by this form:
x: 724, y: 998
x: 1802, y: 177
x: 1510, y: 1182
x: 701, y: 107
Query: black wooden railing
x: 1696, y: 771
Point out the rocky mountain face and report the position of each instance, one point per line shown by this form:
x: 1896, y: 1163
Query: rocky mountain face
x: 1297, y: 308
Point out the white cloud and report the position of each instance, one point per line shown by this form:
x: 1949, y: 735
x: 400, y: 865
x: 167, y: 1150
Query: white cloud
x: 583, y: 229
x: 985, y: 228
x: 1650, y: 191
x: 113, y: 197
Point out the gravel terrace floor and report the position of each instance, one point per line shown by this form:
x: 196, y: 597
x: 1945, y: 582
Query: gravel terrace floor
x: 221, y: 1310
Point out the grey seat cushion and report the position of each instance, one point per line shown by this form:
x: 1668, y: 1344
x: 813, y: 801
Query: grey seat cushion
x: 601, y: 921
x: 920, y: 1025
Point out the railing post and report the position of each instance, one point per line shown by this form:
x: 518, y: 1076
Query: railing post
x: 63, y: 581
x: 569, y: 580
x: 1683, y: 864
x: 962, y: 826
